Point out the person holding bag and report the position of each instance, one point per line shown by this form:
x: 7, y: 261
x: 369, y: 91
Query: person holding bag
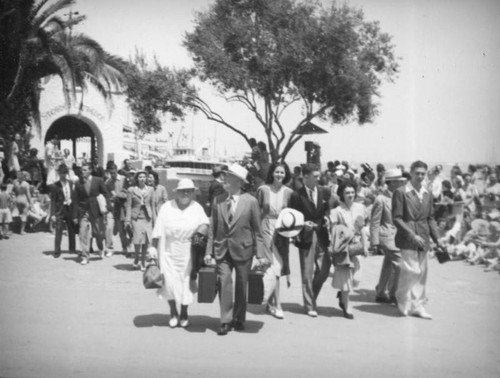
x: 347, y: 242
x: 178, y: 220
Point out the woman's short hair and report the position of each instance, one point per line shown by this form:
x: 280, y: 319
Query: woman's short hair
x: 342, y: 187
x: 270, y: 173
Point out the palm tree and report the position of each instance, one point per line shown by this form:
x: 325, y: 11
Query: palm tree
x: 46, y: 46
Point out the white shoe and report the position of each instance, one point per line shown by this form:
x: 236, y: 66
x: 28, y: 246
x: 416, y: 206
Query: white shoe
x: 173, y: 322
x: 421, y: 314
x: 312, y: 314
x: 84, y: 261
x: 108, y: 253
x: 278, y: 313
x: 184, y: 323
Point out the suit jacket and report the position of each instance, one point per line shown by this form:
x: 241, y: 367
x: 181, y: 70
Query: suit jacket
x: 300, y: 201
x: 135, y: 200
x: 382, y: 229
x: 87, y: 202
x: 120, y: 198
x: 412, y: 217
x: 242, y: 238
x: 57, y: 198
x: 160, y: 196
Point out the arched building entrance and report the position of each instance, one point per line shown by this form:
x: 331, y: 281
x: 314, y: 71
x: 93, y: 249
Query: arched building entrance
x: 77, y: 128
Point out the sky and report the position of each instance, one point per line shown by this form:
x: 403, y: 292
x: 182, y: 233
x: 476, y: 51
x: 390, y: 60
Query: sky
x: 441, y: 107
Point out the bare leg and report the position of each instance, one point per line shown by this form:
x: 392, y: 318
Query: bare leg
x: 277, y: 302
x: 137, y: 248
x: 23, y: 226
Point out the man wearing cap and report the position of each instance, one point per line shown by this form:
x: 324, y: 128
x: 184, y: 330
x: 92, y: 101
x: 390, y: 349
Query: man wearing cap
x: 115, y: 218
x: 87, y: 211
x: 312, y: 201
x: 62, y: 208
x: 382, y: 235
x: 234, y: 238
x: 412, y: 214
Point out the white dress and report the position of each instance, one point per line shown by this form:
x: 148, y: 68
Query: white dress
x: 174, y: 228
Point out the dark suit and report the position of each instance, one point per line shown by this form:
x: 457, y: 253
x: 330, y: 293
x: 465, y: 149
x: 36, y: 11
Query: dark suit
x: 234, y: 243
x: 412, y: 217
x: 63, y: 214
x: 115, y: 219
x: 382, y: 235
x: 87, y: 211
x: 314, y: 261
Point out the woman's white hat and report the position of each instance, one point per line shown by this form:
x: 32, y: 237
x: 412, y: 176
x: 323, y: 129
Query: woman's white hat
x: 289, y: 223
x: 238, y: 171
x: 185, y: 184
x: 393, y: 175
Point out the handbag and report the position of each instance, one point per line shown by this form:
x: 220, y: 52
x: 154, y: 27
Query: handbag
x: 152, y: 277
x: 442, y: 255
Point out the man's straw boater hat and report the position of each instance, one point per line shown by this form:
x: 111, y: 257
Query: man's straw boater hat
x: 289, y: 223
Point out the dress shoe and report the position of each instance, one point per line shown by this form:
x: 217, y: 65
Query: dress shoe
x: 393, y: 300
x: 238, y: 326
x: 173, y: 322
x: 224, y: 329
x: 136, y: 266
x: 57, y: 254
x: 312, y: 313
x: 84, y: 261
x: 184, y: 322
x: 108, y: 253
x: 421, y: 314
x: 348, y: 315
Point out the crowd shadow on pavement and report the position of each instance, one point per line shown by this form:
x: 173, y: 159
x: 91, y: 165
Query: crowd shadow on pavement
x: 126, y: 267
x: 362, y: 295
x: 197, y: 323
x: 379, y: 309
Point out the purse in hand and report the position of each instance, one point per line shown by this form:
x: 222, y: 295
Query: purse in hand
x: 152, y: 277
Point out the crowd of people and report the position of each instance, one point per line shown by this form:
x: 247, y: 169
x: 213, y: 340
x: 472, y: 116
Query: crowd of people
x: 339, y: 215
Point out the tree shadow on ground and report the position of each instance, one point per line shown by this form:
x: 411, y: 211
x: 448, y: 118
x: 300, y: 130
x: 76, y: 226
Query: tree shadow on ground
x: 380, y: 309
x: 126, y: 267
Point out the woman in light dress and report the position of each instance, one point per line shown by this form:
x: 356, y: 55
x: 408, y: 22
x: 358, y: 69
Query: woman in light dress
x: 14, y: 155
x: 352, y: 215
x: 273, y: 197
x: 177, y: 221
x: 53, y: 158
x: 70, y: 161
x: 23, y: 197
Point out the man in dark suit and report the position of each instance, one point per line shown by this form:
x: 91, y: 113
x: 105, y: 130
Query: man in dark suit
x: 382, y: 237
x: 312, y: 201
x: 88, y: 213
x: 412, y: 213
x: 62, y: 209
x: 234, y: 238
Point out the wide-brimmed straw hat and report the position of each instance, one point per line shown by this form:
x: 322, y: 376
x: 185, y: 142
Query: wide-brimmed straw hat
x: 289, y: 223
x: 238, y: 171
x: 394, y: 175
x: 185, y: 184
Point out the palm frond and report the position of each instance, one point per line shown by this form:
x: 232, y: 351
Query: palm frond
x: 50, y: 11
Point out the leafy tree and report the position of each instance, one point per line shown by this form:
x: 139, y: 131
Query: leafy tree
x: 269, y: 55
x: 155, y: 91
x: 36, y: 42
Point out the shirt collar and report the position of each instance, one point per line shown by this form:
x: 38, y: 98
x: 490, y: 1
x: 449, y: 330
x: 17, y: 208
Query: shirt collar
x: 410, y: 187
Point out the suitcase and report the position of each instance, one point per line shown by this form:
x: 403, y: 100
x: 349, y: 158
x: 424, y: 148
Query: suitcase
x: 207, y: 284
x: 256, y: 286
x: 442, y: 255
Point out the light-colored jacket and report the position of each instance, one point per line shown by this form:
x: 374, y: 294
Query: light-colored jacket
x: 135, y: 200
x: 382, y: 229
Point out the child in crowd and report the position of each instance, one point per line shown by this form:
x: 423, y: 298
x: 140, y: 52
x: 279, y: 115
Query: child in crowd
x: 36, y: 214
x: 5, y: 214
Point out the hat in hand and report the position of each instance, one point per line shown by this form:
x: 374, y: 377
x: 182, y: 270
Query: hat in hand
x: 289, y: 223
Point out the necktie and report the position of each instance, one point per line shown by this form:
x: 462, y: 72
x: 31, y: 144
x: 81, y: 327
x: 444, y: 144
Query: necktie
x: 311, y: 196
x: 229, y: 209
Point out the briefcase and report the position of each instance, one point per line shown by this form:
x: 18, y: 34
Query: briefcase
x: 207, y: 284
x: 256, y: 286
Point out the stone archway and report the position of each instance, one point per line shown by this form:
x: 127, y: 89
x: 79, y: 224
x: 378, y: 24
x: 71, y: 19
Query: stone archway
x: 75, y: 126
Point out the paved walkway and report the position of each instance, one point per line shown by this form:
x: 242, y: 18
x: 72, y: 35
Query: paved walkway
x: 60, y: 319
